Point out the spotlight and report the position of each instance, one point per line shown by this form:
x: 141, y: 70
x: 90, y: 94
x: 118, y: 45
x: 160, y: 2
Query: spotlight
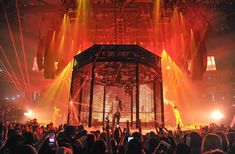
x: 217, y: 115
x: 71, y: 103
x: 29, y: 113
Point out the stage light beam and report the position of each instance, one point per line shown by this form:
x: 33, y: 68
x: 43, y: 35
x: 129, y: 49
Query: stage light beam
x: 217, y: 115
x: 29, y: 113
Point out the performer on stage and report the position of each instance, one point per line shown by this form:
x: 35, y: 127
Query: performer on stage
x: 116, y: 109
x: 177, y: 117
x: 178, y: 120
x: 56, y: 116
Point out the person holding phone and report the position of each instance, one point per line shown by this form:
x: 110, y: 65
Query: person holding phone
x: 51, y: 139
x: 129, y: 138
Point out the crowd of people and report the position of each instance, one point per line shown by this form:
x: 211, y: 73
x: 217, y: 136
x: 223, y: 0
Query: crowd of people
x: 9, y: 111
x: 31, y: 138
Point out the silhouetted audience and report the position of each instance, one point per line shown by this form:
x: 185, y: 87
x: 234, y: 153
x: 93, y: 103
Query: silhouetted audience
x: 182, y: 149
x: 211, y: 142
x: 31, y: 138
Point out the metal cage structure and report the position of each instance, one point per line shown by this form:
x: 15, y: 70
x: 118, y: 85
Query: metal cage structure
x: 130, y: 72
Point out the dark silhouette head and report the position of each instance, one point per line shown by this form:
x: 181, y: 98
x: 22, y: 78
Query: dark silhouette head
x: 29, y: 138
x: 211, y: 142
x: 182, y: 149
x: 70, y: 131
x: 90, y: 140
x: 99, y: 147
x: 196, y: 140
x: 231, y: 138
x: 15, y: 142
x: 134, y: 147
x: 136, y: 135
x: 224, y: 140
x: 27, y: 149
x: 153, y: 142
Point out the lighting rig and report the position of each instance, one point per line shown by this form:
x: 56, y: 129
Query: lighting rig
x: 133, y: 22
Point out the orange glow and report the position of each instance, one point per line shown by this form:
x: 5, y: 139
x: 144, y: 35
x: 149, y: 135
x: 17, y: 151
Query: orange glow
x: 217, y: 115
x: 57, y: 94
x: 172, y: 74
x: 157, y: 7
x: 61, y: 46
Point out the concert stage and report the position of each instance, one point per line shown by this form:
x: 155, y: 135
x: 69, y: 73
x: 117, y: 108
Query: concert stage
x: 103, y: 72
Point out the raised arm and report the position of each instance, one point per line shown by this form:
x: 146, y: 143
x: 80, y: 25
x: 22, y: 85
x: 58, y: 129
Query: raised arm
x: 140, y: 129
x: 108, y: 138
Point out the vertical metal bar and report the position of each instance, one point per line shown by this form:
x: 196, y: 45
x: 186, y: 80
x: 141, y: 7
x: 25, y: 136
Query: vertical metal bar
x: 115, y: 21
x: 162, y: 103
x: 71, y: 94
x: 131, y: 106
x: 154, y: 100
x: 80, y: 100
x: 137, y: 95
x: 104, y: 99
x: 91, y: 95
x: 161, y: 95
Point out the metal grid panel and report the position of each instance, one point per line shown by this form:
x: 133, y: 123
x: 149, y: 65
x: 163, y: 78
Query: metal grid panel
x: 97, y: 110
x: 146, y: 103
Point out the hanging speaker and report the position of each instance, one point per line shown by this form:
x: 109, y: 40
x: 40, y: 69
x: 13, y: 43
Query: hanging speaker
x: 199, y: 61
x: 40, y: 54
x: 49, y: 56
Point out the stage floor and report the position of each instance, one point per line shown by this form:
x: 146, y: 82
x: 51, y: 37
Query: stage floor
x: 190, y: 127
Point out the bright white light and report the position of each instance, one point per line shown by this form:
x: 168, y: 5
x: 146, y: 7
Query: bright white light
x: 211, y: 66
x: 29, y: 113
x: 13, y: 98
x: 18, y: 96
x: 71, y: 103
x: 7, y: 98
x: 35, y: 64
x: 217, y: 115
x: 56, y: 65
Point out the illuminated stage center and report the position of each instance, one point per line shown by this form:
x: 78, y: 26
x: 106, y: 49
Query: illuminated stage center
x: 103, y: 72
